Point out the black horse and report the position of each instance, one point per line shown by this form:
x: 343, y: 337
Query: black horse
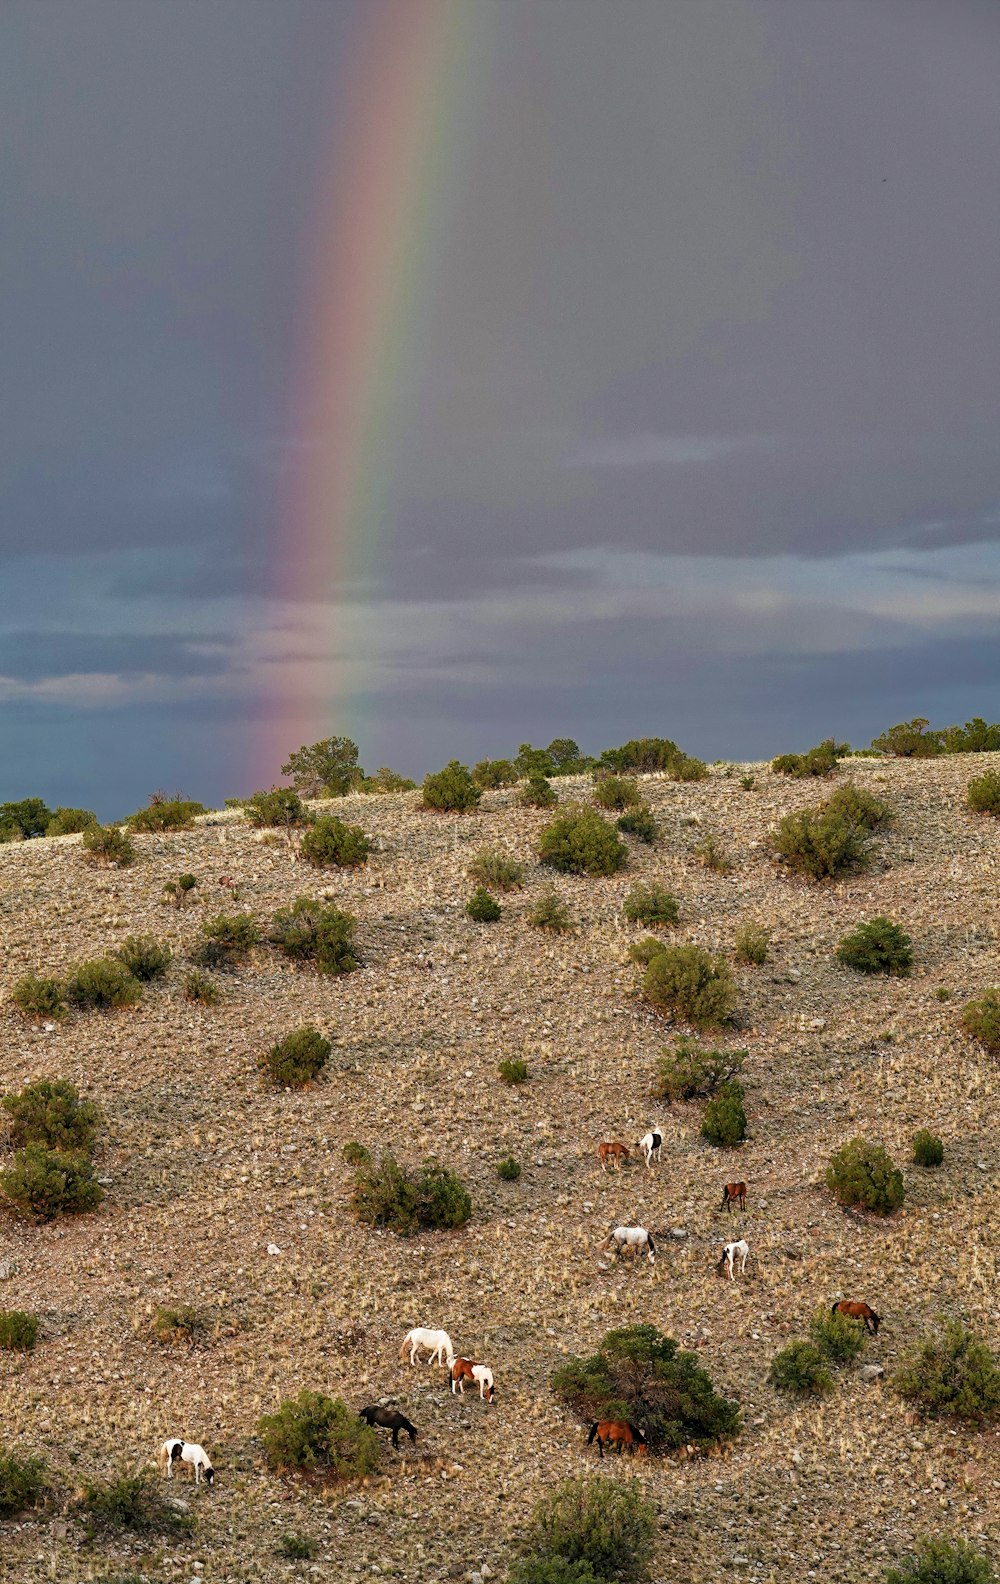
x: 389, y: 1419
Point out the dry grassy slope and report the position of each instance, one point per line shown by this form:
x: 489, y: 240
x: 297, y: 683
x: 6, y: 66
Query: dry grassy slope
x: 208, y: 1168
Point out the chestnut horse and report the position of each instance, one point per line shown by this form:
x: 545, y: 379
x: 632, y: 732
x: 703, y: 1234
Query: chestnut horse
x: 619, y: 1433
x: 733, y: 1193
x: 613, y: 1152
x: 858, y: 1311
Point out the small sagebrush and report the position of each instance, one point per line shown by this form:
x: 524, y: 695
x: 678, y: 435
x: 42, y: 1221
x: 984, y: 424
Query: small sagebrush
x: 685, y: 983
x: 538, y: 792
x: 550, y: 913
x: 18, y: 1330
x: 313, y: 1433
x: 982, y: 795
x: 653, y: 905
x: 281, y: 808
x: 800, y: 1369
x: 145, y: 957
x: 316, y: 933
x: 863, y: 1175
x: 385, y: 1194
x: 858, y: 807
x: 581, y: 842
x: 102, y: 985
x: 981, y: 1021
x: 928, y: 1150
x: 692, y: 1073
x: 617, y: 793
x: 820, y: 843
x: 70, y: 821
x: 179, y: 1326
x: 22, y: 1482
x: 819, y: 761
x: 200, y: 989
x: 50, y: 1112
x: 837, y: 1337
x: 639, y: 822
x: 951, y: 1372
x: 751, y: 943
x: 496, y: 871
x: 298, y: 1059
x: 39, y: 998
x: 107, y: 844
x: 166, y: 814
x: 508, y: 1169
x: 941, y: 1561
x: 330, y: 843
x: 724, y: 1121
x: 46, y: 1184
x: 597, y: 1529
x: 880, y: 946
x: 513, y: 1070
x: 711, y: 854
x: 482, y: 908
x: 451, y: 790
x: 133, y: 1502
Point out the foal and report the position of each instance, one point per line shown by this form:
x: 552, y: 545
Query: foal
x: 733, y: 1193
x: 389, y: 1419
x: 619, y: 1433
x: 613, y: 1152
x: 731, y: 1253
x: 858, y: 1311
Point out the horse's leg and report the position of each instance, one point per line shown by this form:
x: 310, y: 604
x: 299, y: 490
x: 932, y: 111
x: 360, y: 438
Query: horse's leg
x: 600, y: 1447
x: 395, y: 1439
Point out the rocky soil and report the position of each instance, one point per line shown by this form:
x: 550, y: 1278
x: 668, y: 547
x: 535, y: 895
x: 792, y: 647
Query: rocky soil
x: 208, y: 1168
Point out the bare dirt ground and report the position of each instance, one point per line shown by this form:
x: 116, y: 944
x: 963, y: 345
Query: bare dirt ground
x: 208, y: 1167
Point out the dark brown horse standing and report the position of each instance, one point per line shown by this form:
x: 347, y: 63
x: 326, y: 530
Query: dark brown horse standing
x: 734, y: 1193
x: 858, y: 1311
x: 619, y: 1433
x: 389, y: 1419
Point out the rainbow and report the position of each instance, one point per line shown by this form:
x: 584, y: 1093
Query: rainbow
x: 381, y: 218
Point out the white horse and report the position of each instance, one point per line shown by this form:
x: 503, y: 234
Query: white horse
x: 733, y: 1252
x: 649, y: 1146
x: 174, y: 1450
x: 439, y: 1343
x: 635, y: 1238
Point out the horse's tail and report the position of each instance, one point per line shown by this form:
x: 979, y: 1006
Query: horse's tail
x: 404, y: 1345
x: 725, y: 1196
x: 649, y: 1240
x: 833, y: 1308
x: 593, y: 1431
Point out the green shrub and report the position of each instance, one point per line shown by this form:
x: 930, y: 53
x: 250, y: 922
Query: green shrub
x: 974, y: 737
x: 724, y: 1121
x: 534, y: 761
x: 928, y: 1150
x: 617, y: 792
x: 880, y: 946
x: 70, y: 822
x: 451, y: 790
x: 639, y: 822
x: 983, y: 794
x: 325, y: 769
x: 748, y: 783
x: 537, y: 792
x: 386, y: 1195
x: 330, y: 844
x: 107, y: 844
x: 550, y: 913
x: 39, y: 998
x: 165, y: 814
x: 496, y: 871
x: 821, y: 761
x: 951, y: 1372
x: 312, y: 1432
x: 177, y: 891
x: 941, y: 1561
x: 386, y: 780
x: 690, y: 1073
x: 298, y: 1059
x: 687, y: 984
x: 581, y: 842
x: 751, y: 944
x: 144, y: 957
x: 711, y: 855
x: 910, y: 740
x: 609, y: 1525
x: 836, y: 1336
x: 228, y: 939
x: 316, y: 933
x: 47, y: 1184
x: 491, y: 774
x: 296, y: 1548
x: 862, y: 1174
x: 133, y: 1502
x: 641, y: 1375
x: 355, y: 1154
x: 21, y: 821
x: 508, y: 1170
x: 22, y: 1482
x: 200, y: 989
x: 102, y: 984
x: 981, y: 1020
x: 643, y: 951
x: 18, y: 1330
x: 566, y: 757
x: 688, y: 769
x: 182, y: 1325
x: 513, y: 1070
x: 644, y: 755
x: 50, y: 1112
x: 799, y: 1368
x: 280, y: 808
x: 820, y: 844
x: 482, y: 908
x: 853, y: 804
x: 651, y: 904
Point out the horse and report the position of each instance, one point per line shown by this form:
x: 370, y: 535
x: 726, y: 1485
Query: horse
x: 618, y: 1432
x: 174, y: 1450
x: 858, y: 1311
x: 733, y: 1193
x: 389, y: 1419
x: 480, y: 1375
x: 613, y: 1152
x: 439, y: 1343
x: 649, y: 1146
x: 635, y: 1237
x: 731, y: 1253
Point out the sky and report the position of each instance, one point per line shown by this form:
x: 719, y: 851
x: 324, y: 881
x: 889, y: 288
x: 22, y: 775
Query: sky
x: 681, y: 410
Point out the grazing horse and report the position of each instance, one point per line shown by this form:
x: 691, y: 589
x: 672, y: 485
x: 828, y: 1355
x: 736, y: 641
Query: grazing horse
x: 649, y: 1146
x: 731, y: 1253
x: 174, y: 1450
x: 858, y: 1311
x: 635, y: 1238
x: 439, y: 1343
x: 613, y: 1152
x: 480, y: 1375
x: 389, y: 1419
x: 733, y: 1193
x: 619, y: 1433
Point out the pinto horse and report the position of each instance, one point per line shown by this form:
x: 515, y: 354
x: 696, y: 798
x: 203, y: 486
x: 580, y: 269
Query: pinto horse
x: 649, y: 1146
x: 858, y: 1311
x: 480, y: 1375
x: 613, y: 1152
x: 733, y: 1193
x: 389, y: 1419
x: 619, y: 1433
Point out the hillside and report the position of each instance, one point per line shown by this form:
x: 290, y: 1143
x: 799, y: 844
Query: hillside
x: 208, y: 1167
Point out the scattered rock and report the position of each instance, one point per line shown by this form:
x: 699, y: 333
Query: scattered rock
x: 871, y: 1372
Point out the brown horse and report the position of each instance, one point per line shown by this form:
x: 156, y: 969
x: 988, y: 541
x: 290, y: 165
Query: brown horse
x: 733, y: 1193
x: 617, y: 1432
x: 613, y: 1152
x: 858, y: 1311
